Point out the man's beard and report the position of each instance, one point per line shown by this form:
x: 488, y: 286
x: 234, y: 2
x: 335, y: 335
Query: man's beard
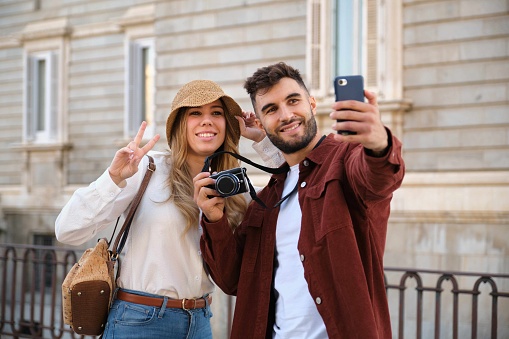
x: 289, y: 147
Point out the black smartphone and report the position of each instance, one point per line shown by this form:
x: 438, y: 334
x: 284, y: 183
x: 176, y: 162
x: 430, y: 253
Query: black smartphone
x: 349, y: 87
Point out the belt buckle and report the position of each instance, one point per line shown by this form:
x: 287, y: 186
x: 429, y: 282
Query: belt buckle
x: 184, y: 304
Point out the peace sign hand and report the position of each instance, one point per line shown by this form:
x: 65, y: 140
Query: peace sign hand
x: 125, y: 163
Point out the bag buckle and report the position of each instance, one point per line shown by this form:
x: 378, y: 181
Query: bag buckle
x: 113, y: 256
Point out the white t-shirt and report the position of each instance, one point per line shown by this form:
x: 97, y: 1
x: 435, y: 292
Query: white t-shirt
x: 296, y: 312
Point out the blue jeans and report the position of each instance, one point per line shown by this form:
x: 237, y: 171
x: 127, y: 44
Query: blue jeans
x: 130, y: 320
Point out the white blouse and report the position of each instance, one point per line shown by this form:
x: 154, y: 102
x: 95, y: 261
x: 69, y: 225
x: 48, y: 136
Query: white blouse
x: 157, y: 258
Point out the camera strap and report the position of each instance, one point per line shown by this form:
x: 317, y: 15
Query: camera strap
x: 271, y: 170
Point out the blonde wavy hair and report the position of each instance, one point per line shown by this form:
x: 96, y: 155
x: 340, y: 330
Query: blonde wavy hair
x: 180, y: 179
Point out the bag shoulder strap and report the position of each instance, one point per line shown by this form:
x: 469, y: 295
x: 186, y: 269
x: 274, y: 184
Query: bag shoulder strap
x: 124, y: 231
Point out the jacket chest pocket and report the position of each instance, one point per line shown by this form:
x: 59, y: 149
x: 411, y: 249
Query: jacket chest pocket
x: 326, y: 208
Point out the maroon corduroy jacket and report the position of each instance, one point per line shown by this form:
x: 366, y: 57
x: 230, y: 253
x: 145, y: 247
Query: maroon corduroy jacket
x: 345, y: 199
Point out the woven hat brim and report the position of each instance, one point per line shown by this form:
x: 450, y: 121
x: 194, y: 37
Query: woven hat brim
x: 233, y: 109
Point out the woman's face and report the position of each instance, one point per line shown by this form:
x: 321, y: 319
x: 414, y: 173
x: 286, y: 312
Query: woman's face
x: 206, y: 129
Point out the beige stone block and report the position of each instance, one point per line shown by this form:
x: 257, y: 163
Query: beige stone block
x: 469, y: 240
x: 441, y: 31
x: 465, y: 94
x: 97, y: 103
x: 12, y: 66
x: 10, y: 99
x: 100, y: 41
x: 397, y: 235
x: 457, y: 160
x: 225, y: 13
x: 224, y: 74
x: 472, y: 116
x: 397, y: 259
x: 497, y: 158
x: 482, y: 263
x: 449, y: 262
x: 190, y: 7
x: 473, y: 8
x: 455, y: 51
x: 496, y: 25
x: 227, y: 36
x: 97, y: 92
x: 427, y: 239
x: 96, y: 67
x: 426, y: 11
x: 446, y: 117
x: 88, y: 80
x: 15, y: 53
x: 429, y: 261
x: 453, y: 191
x: 461, y: 74
x: 89, y: 55
x: 199, y: 40
x: 11, y: 8
x: 499, y: 243
x: 233, y: 54
x: 484, y: 49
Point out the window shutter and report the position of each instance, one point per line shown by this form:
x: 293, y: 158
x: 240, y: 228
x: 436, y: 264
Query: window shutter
x: 53, y: 114
x: 30, y: 70
x: 133, y: 93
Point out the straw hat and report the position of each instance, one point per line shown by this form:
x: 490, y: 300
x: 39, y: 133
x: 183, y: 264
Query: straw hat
x: 201, y: 92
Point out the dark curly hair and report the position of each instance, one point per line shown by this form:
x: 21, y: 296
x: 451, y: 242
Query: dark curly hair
x: 265, y: 77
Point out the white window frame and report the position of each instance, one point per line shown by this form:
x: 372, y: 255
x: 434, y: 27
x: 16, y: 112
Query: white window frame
x: 32, y: 111
x: 135, y: 86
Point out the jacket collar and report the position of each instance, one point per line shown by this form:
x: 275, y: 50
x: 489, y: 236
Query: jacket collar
x: 317, y: 155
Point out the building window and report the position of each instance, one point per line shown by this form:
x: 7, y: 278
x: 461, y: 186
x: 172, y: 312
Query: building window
x: 41, y: 97
x: 343, y: 39
x: 140, y: 87
x: 349, y: 37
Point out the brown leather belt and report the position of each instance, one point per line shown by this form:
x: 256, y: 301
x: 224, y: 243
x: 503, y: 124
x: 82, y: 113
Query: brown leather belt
x: 185, y: 304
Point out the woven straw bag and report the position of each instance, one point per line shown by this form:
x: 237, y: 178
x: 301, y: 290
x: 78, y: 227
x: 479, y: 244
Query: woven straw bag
x: 87, y: 290
x: 88, y: 287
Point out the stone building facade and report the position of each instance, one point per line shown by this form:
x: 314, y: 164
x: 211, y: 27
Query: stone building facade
x: 72, y: 90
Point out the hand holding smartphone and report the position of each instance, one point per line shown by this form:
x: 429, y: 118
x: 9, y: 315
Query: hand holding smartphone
x: 350, y: 87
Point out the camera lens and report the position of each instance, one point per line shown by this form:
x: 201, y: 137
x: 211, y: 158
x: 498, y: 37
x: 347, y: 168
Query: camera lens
x: 227, y: 184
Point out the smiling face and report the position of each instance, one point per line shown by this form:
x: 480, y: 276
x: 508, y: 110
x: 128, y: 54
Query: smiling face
x: 206, y: 129
x: 287, y: 114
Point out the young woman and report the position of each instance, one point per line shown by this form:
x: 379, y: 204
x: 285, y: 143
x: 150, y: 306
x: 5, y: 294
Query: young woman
x: 163, y: 266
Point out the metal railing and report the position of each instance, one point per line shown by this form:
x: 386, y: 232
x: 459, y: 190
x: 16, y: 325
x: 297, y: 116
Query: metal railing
x: 420, y: 304
x: 30, y: 290
x: 463, y: 301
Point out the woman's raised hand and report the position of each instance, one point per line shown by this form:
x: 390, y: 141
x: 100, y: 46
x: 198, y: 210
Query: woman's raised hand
x: 250, y: 127
x: 125, y: 163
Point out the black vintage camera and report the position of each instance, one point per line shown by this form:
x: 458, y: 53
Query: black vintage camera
x: 230, y: 182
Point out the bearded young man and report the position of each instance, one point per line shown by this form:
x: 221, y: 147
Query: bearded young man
x: 312, y: 266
